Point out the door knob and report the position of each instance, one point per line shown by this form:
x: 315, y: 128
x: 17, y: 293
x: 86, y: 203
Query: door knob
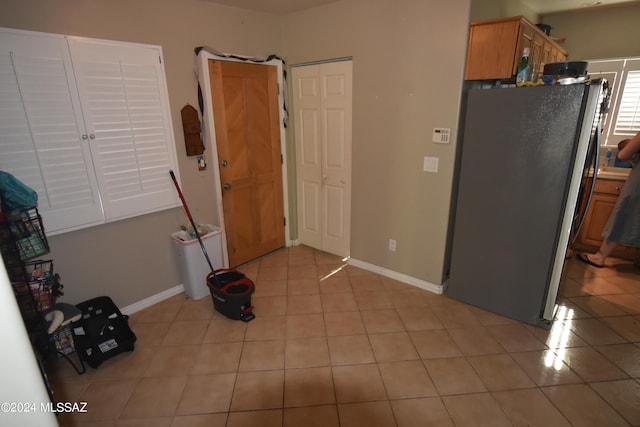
x: 227, y: 186
x: 224, y: 163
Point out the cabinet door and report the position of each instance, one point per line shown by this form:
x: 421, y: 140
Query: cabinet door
x: 526, y: 39
x: 602, y: 205
x: 41, y: 129
x: 492, y: 50
x: 537, y: 56
x: 546, y: 55
x: 125, y: 105
x: 557, y: 55
x: 599, y: 211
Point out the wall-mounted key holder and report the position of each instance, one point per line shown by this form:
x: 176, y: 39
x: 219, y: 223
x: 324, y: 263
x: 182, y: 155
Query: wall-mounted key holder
x: 191, y: 128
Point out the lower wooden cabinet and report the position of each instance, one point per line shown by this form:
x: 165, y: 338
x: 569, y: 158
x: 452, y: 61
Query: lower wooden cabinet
x: 602, y: 204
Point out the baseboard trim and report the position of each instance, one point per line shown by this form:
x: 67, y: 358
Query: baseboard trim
x: 422, y: 284
x: 409, y: 280
x: 152, y: 300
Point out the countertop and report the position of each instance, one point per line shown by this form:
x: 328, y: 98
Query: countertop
x: 612, y: 173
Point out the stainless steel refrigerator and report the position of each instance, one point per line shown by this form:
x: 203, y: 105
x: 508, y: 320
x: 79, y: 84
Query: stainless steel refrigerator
x: 520, y: 170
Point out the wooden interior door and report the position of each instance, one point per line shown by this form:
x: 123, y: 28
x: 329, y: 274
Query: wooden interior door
x: 246, y: 115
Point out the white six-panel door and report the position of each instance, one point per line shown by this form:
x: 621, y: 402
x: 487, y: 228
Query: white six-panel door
x: 322, y: 111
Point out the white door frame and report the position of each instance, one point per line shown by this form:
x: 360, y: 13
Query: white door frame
x: 202, y: 70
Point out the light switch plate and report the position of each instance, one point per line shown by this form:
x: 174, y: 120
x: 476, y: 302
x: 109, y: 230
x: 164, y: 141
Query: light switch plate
x: 441, y: 135
x: 202, y: 163
x: 430, y: 164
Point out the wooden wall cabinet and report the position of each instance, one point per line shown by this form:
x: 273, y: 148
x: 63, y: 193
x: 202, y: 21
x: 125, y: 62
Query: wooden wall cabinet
x: 604, y: 199
x: 495, y: 48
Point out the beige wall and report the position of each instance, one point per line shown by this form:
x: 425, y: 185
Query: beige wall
x: 132, y: 259
x: 599, y: 33
x: 408, y: 65
x: 490, y: 9
x: 408, y: 61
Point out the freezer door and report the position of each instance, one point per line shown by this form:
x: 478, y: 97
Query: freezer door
x: 586, y: 138
x: 518, y: 154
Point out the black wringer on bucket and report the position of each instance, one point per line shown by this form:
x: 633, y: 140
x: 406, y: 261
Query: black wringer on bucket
x: 230, y: 289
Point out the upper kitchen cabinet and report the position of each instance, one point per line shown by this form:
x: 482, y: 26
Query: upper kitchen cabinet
x: 496, y: 46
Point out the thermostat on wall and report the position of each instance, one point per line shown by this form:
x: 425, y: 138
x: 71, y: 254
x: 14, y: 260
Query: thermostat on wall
x: 441, y: 135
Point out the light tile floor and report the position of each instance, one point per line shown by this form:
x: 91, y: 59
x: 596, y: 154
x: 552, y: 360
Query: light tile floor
x: 334, y: 345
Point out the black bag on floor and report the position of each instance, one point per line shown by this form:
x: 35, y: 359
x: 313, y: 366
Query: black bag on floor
x: 231, y: 293
x: 102, y: 332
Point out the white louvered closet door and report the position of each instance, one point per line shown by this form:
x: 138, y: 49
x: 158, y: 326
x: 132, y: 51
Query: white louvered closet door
x: 41, y: 129
x: 86, y: 123
x: 125, y: 107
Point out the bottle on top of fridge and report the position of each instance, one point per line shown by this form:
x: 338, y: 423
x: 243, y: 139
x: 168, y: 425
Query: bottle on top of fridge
x: 524, y: 70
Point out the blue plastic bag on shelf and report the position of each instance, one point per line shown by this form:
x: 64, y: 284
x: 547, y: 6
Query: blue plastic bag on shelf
x: 15, y: 194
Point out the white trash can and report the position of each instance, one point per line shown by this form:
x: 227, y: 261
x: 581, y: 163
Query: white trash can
x: 193, y: 265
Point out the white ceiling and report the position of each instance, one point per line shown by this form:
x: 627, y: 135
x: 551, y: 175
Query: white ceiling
x: 282, y: 7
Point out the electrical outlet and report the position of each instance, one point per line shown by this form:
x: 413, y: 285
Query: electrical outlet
x: 392, y: 245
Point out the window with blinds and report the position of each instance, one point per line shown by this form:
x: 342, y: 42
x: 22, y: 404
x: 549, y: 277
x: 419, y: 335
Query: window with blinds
x: 628, y: 117
x: 86, y: 124
x: 623, y: 118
